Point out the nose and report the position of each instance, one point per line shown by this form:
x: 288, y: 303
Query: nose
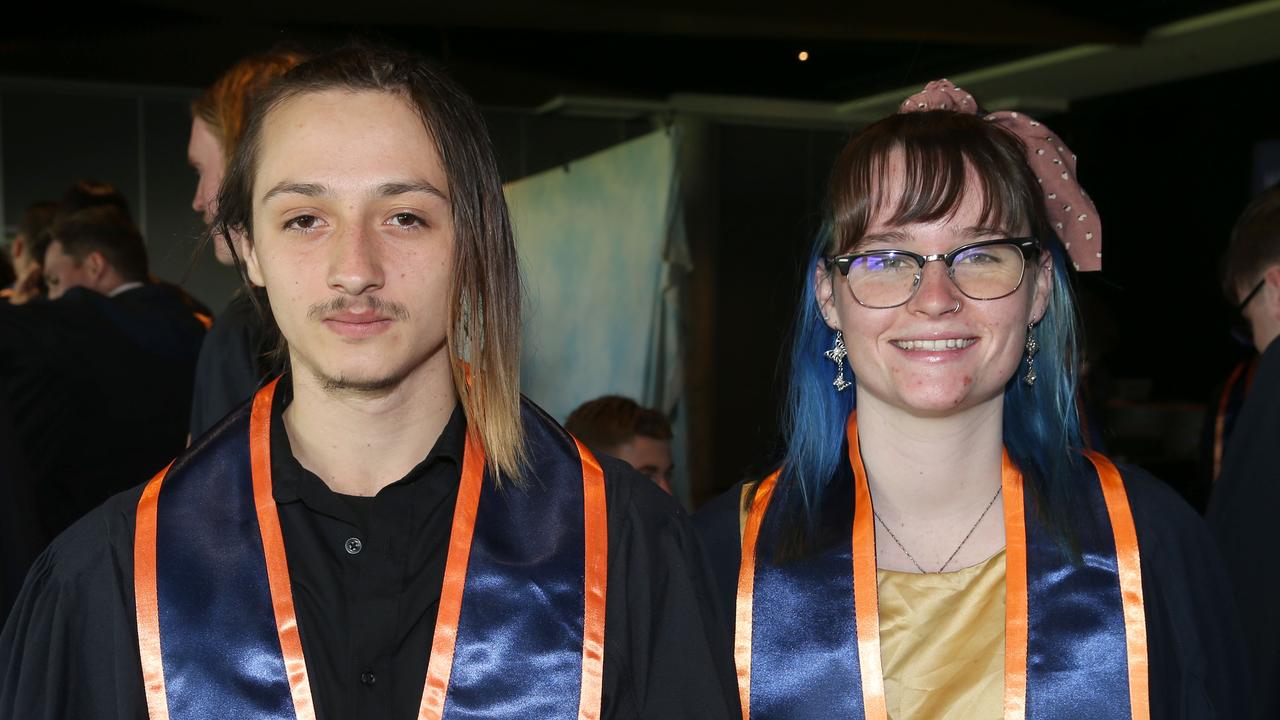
x: 937, y: 293
x: 355, y: 264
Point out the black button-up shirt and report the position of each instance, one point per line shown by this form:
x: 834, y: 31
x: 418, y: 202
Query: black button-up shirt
x: 367, y: 573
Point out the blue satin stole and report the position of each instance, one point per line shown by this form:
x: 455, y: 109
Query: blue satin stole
x: 519, y: 642
x: 804, y: 631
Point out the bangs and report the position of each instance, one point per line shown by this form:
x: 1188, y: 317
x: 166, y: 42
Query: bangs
x: 920, y: 167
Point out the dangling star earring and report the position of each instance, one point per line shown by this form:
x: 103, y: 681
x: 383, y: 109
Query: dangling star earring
x: 1032, y: 348
x: 837, y: 354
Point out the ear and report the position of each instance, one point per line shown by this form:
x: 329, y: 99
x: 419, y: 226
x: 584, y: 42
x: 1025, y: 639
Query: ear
x: 248, y: 250
x: 823, y: 292
x: 95, y: 265
x: 1271, y: 293
x: 1043, y: 287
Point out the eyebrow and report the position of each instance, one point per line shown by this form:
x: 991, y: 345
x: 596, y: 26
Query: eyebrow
x: 390, y: 189
x: 897, y: 236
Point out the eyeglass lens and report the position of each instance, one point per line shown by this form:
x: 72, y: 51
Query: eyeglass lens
x: 889, y: 278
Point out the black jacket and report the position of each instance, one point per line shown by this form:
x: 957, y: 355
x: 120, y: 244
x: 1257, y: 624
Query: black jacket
x: 99, y: 390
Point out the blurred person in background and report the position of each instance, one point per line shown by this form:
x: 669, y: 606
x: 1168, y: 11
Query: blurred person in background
x: 619, y: 426
x: 98, y: 377
x: 1246, y: 496
x: 27, y: 252
x: 238, y: 354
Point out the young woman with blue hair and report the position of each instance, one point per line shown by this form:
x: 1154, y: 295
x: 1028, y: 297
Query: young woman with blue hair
x: 936, y: 542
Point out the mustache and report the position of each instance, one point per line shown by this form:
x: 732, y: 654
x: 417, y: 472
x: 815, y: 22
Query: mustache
x: 373, y: 303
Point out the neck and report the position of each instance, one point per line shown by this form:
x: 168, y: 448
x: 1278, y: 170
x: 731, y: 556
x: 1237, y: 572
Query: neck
x: 932, y: 478
x: 359, y: 443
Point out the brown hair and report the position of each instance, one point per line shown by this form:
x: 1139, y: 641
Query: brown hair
x: 484, y: 305
x: 1255, y: 243
x: 610, y: 421
x: 939, y: 149
x: 223, y: 106
x: 107, y: 230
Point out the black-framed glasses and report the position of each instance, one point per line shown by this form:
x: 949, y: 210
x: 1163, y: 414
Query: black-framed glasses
x: 1245, y: 302
x: 984, y: 270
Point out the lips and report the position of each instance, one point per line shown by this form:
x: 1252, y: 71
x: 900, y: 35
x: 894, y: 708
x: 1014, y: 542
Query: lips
x: 357, y: 325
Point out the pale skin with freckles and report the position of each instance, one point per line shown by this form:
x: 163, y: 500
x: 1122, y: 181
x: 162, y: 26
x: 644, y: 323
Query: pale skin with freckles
x: 353, y: 241
x: 930, y: 422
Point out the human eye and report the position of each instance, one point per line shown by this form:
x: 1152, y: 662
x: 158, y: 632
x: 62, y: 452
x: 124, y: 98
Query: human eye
x: 406, y: 219
x: 888, y: 262
x: 303, y: 223
x: 986, y: 255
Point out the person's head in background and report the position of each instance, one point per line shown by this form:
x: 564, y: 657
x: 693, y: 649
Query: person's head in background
x: 1251, y: 271
x: 27, y: 250
x: 619, y: 426
x: 97, y: 248
x: 85, y: 194
x: 217, y: 124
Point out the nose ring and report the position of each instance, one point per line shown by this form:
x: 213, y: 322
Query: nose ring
x: 956, y: 309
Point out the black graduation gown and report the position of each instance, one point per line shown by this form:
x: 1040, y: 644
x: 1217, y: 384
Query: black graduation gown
x: 1197, y: 666
x: 233, y: 362
x: 99, y: 389
x: 70, y: 647
x: 1242, y: 514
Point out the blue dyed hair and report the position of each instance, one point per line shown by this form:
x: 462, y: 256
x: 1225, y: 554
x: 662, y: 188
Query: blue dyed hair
x: 942, y: 153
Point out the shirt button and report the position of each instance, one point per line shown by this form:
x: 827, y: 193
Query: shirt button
x: 368, y: 678
x: 354, y: 546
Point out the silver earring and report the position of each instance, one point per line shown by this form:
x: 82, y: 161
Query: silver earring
x: 1032, y: 348
x: 837, y: 354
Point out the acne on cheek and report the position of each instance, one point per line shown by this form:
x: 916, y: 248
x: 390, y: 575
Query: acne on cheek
x: 968, y: 380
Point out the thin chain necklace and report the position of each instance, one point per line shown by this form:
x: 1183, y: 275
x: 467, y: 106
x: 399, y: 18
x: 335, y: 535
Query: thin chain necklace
x: 953, y: 552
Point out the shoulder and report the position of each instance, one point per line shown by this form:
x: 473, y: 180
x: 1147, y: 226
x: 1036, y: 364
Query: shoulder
x: 1160, y: 515
x: 71, y: 632
x: 636, y: 502
x: 1195, y: 644
x: 100, y: 541
x: 719, y: 520
x: 719, y: 527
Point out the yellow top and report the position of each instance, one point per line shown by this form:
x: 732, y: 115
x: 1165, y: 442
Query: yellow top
x: 942, y: 642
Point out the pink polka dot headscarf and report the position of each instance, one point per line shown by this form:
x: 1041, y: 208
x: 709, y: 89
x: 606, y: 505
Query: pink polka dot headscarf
x: 1070, y: 210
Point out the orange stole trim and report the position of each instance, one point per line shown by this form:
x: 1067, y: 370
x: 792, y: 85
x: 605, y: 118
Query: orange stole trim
x: 1129, y: 567
x: 147, y: 600
x: 866, y: 597
x: 1220, y: 421
x: 205, y: 320
x: 746, y: 589
x: 1015, y: 592
x: 295, y: 664
x: 455, y: 578
x: 596, y: 522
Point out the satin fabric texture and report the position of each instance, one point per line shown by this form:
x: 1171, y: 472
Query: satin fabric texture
x: 519, y: 632
x: 807, y: 640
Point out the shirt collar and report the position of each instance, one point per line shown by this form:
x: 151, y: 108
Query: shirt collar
x: 123, y: 288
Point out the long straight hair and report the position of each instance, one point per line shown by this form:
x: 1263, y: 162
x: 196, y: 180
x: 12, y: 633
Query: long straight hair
x: 483, y: 332
x: 941, y: 154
